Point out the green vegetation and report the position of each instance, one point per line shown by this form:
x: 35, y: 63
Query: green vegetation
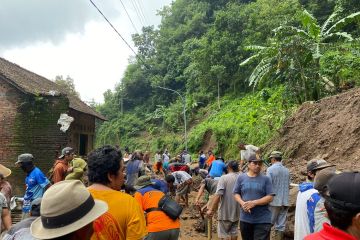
x: 304, y: 50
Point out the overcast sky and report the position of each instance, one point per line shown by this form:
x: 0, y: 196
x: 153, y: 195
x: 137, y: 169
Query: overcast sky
x: 69, y: 37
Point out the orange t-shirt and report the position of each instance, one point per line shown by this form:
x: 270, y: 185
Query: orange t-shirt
x: 156, y: 221
x: 124, y: 219
x: 210, y: 160
x: 60, y: 171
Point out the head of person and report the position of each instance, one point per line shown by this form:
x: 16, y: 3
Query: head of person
x: 105, y: 166
x: 315, y: 165
x: 210, y: 152
x: 255, y: 164
x: 201, y: 152
x: 275, y: 156
x: 219, y: 157
x: 67, y: 211
x: 322, y: 178
x: 4, y: 172
x: 137, y: 155
x: 342, y: 202
x: 26, y: 162
x: 67, y: 154
x: 232, y: 166
x: 241, y: 146
x: 170, y: 179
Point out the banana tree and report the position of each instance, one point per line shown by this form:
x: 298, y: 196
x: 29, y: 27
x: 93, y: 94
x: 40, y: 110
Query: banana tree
x: 298, y: 51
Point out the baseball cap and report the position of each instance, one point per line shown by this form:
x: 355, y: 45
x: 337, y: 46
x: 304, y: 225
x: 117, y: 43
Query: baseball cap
x: 66, y: 151
x: 322, y: 178
x: 317, y: 164
x: 343, y: 192
x: 25, y: 157
x: 275, y: 154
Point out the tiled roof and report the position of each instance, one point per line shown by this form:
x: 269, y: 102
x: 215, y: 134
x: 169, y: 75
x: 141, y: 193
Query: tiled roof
x: 29, y: 82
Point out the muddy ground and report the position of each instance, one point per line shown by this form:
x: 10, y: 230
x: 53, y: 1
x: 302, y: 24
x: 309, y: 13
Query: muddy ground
x: 328, y: 129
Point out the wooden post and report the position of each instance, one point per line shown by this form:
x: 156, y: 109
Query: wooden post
x: 209, y: 228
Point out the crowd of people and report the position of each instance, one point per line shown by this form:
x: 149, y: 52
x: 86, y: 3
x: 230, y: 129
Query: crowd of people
x: 111, y: 195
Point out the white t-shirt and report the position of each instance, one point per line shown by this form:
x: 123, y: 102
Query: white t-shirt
x: 166, y: 158
x: 180, y: 177
x: 157, y: 158
x: 249, y: 151
x: 302, y: 225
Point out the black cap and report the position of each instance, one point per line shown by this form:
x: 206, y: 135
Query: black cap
x: 234, y: 165
x: 344, y: 191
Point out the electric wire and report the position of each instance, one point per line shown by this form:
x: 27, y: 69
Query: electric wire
x: 112, y: 26
x: 132, y: 23
x: 138, y: 13
x: 140, y: 7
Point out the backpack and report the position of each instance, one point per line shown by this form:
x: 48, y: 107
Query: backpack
x: 168, y: 206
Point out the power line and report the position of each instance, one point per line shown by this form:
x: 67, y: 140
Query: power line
x: 141, y: 6
x: 137, y: 12
x: 132, y: 23
x: 127, y: 44
x: 113, y: 27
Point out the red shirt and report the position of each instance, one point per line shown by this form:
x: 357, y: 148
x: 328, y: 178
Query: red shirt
x: 330, y: 233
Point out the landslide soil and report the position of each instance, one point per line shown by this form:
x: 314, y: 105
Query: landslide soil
x: 328, y: 129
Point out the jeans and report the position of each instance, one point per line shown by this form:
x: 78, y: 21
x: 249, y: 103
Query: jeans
x: 278, y: 218
x: 255, y: 231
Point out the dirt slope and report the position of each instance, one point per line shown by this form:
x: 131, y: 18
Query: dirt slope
x: 329, y: 128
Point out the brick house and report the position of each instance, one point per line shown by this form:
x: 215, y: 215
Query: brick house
x: 30, y: 106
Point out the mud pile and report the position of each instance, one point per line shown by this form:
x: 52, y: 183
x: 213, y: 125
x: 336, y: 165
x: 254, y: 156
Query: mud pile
x: 328, y: 129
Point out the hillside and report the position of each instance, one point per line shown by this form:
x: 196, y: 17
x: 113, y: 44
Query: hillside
x: 327, y: 129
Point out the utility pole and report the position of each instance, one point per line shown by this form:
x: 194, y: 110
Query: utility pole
x: 183, y: 98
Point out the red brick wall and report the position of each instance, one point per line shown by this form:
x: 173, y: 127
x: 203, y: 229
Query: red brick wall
x: 29, y: 124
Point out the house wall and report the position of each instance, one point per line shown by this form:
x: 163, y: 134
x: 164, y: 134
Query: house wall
x: 83, y: 124
x: 29, y: 124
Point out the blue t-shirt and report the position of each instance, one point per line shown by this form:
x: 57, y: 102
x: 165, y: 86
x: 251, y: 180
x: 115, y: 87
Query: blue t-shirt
x: 35, y: 187
x: 252, y: 188
x: 160, y: 185
x: 217, y: 168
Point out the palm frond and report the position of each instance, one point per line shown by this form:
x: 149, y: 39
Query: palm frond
x: 259, y: 72
x: 254, y: 48
x: 343, y: 22
x: 330, y: 19
x: 250, y: 59
x: 345, y: 35
x: 310, y: 23
x: 291, y: 29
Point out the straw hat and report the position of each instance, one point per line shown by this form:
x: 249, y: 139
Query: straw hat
x: 66, y: 207
x: 4, y: 171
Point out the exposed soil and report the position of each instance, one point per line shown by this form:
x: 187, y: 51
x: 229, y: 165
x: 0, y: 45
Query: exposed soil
x: 328, y: 129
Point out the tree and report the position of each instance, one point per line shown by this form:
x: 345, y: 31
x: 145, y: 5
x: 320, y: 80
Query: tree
x: 294, y: 54
x: 67, y: 85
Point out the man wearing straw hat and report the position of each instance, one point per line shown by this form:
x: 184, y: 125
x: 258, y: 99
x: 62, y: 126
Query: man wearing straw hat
x: 159, y: 225
x: 67, y: 218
